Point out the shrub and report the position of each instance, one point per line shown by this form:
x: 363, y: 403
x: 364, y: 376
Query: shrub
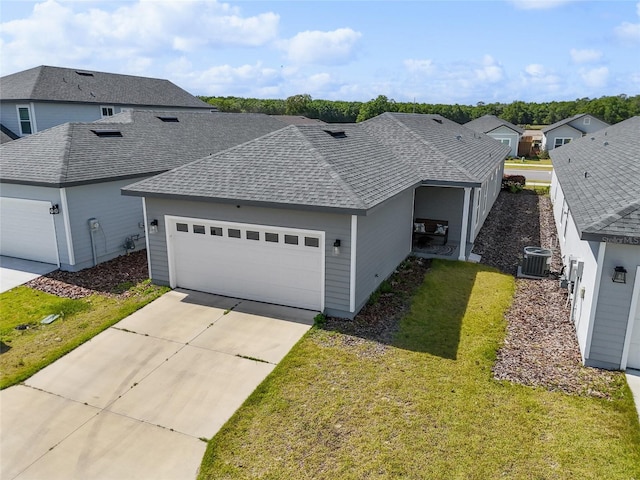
x: 513, y: 183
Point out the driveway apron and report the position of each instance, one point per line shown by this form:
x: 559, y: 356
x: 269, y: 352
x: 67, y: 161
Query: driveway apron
x: 137, y: 400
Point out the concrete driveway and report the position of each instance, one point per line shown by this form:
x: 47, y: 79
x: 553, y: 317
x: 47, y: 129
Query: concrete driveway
x: 16, y: 271
x: 135, y: 401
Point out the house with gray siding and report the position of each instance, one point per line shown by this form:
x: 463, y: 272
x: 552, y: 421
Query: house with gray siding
x: 43, y: 97
x: 499, y: 129
x: 317, y: 216
x: 569, y: 129
x: 60, y: 188
x: 595, y: 190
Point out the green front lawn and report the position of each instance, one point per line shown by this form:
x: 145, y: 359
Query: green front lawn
x: 34, y: 346
x: 425, y: 406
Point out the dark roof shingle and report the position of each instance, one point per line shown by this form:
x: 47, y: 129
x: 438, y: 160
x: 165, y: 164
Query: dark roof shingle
x: 488, y: 123
x: 57, y: 84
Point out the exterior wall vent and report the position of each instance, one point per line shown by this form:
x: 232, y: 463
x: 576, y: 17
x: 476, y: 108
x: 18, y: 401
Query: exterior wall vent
x: 536, y: 262
x: 169, y: 119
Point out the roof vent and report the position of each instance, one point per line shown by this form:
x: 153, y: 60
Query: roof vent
x: 169, y: 119
x: 83, y: 73
x: 336, y: 133
x: 586, y: 174
x: 605, y: 143
x: 459, y: 137
x: 107, y: 133
x: 437, y: 120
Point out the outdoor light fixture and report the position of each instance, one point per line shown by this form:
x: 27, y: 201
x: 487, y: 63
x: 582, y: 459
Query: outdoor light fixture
x: 55, y: 209
x: 153, y: 226
x: 619, y: 275
x: 336, y: 247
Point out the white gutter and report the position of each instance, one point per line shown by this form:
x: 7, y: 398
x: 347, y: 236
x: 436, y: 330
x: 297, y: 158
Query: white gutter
x: 352, y: 279
x: 465, y: 220
x: 594, y: 303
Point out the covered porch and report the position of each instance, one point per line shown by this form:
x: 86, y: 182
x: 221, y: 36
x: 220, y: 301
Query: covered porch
x: 449, y: 209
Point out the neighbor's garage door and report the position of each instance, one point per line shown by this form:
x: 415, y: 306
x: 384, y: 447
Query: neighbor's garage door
x: 268, y: 264
x: 27, y: 230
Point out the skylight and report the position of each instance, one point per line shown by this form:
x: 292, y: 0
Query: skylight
x: 169, y: 119
x: 107, y: 133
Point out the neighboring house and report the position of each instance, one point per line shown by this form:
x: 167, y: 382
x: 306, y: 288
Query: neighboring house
x: 595, y: 191
x: 60, y: 188
x: 501, y: 130
x: 569, y: 129
x: 530, y: 143
x: 7, y: 135
x: 43, y: 97
x: 318, y: 216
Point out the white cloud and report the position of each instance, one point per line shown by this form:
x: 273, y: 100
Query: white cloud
x: 595, y: 77
x: 323, y: 48
x: 491, y: 71
x: 538, y: 4
x: 62, y: 33
x: 535, y: 70
x: 419, y: 66
x: 585, y: 56
x: 627, y: 31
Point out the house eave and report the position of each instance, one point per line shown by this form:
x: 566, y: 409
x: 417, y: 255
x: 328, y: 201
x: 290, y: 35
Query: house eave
x: 250, y: 203
x: 36, y: 183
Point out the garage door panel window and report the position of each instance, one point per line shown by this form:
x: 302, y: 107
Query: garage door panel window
x: 182, y: 227
x: 291, y: 239
x: 271, y: 237
x: 216, y: 231
x: 253, y: 235
x: 233, y: 233
x: 199, y: 229
x: 311, y: 242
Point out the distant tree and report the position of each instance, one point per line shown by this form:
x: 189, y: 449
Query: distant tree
x: 375, y: 107
x: 298, y: 104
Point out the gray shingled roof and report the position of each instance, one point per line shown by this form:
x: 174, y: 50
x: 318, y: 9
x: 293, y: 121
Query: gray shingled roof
x: 488, y: 123
x: 298, y: 120
x: 71, y: 154
x: 297, y: 166
x: 438, y: 148
x: 56, y: 84
x: 600, y: 178
x: 352, y: 169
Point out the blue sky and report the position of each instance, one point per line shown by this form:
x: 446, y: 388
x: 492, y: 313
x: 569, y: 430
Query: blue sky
x: 428, y: 51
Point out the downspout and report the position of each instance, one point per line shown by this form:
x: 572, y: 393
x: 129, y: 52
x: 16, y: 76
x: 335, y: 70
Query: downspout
x: 465, y: 220
x: 93, y: 226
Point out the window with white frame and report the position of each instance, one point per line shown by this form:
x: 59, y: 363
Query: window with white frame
x: 587, y: 121
x: 106, y: 111
x: 559, y: 141
x: 506, y: 141
x: 24, y: 119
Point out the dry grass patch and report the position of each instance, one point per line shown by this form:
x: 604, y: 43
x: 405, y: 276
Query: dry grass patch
x: 424, y: 407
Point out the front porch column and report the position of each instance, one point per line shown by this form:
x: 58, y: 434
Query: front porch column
x: 465, y: 220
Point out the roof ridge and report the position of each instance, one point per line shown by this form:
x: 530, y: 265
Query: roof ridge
x: 330, y: 168
x: 607, y: 220
x: 446, y: 158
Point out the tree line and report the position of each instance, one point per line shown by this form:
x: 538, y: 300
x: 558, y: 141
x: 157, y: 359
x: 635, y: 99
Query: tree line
x: 611, y: 109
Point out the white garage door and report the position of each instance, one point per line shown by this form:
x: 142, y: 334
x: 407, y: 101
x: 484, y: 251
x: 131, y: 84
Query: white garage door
x: 27, y: 230
x: 268, y: 264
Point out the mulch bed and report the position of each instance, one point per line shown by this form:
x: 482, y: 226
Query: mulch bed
x: 540, y: 348
x: 109, y: 278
